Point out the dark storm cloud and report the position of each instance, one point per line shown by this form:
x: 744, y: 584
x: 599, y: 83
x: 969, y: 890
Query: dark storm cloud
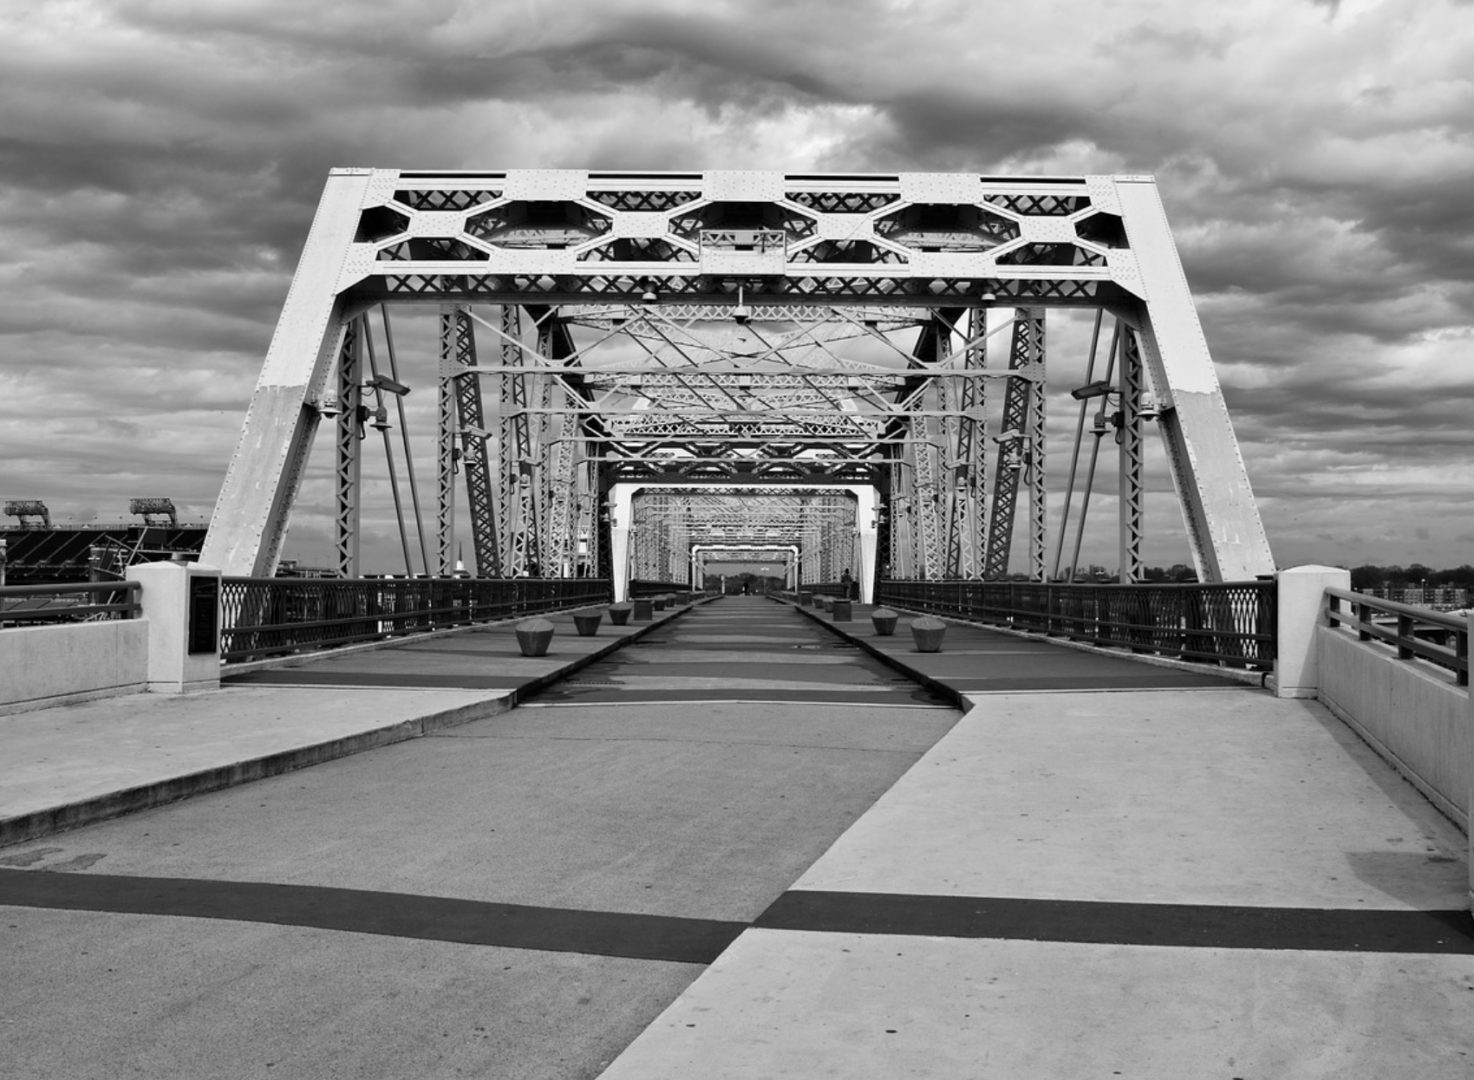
x: 160, y: 162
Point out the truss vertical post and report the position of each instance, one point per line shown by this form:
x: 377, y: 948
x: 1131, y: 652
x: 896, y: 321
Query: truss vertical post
x: 1023, y: 408
x: 903, y: 487
x: 249, y: 522
x: 1131, y: 490
x: 558, y: 429
x: 447, y: 461
x: 964, y: 400
x: 458, y: 353
x: 1037, y: 448
x: 516, y: 503
x: 1224, y: 529
x: 348, y: 444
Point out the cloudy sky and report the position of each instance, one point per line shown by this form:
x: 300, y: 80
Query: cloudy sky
x: 160, y: 161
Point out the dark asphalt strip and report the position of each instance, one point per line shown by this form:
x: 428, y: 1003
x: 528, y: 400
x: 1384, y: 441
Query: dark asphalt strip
x: 1106, y: 923
x: 392, y: 679
x: 700, y: 941
x: 430, y: 918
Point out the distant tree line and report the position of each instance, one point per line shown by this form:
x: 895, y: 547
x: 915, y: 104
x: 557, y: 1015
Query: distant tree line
x: 1413, y: 576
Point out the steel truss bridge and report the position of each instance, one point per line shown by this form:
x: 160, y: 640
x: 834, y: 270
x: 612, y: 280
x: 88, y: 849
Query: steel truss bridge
x: 638, y: 368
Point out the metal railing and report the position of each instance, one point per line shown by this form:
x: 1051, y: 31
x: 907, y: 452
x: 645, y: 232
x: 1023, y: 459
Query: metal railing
x: 266, y: 617
x: 638, y: 589
x: 828, y: 588
x: 1414, y: 633
x: 33, y: 605
x: 1232, y: 623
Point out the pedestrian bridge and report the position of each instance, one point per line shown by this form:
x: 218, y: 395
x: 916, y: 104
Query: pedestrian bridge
x: 1221, y: 823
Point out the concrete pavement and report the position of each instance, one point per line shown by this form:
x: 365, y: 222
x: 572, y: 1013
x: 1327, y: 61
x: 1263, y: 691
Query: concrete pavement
x: 72, y: 764
x: 1154, y: 881
x: 518, y: 896
x: 1104, y: 868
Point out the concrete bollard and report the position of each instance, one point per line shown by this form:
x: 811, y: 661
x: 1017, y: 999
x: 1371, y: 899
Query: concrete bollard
x: 587, y: 622
x: 619, y: 613
x: 884, y: 620
x: 1301, y: 607
x: 842, y: 609
x: 534, y: 636
x: 928, y: 632
x: 644, y: 609
x: 181, y: 604
x: 658, y: 602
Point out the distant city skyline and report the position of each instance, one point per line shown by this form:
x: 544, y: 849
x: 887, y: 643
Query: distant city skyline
x: 162, y: 161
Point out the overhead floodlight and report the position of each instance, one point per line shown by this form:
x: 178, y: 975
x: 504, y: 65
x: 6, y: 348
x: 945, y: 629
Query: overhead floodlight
x: 388, y: 385
x: 1099, y: 388
x: 1008, y: 437
x: 27, y: 509
x: 154, y: 511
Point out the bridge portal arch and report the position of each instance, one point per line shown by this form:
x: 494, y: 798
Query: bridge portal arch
x: 599, y: 329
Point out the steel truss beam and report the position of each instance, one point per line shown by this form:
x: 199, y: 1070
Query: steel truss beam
x: 748, y: 320
x: 458, y: 356
x: 964, y: 407
x: 1021, y: 449
x: 1132, y: 464
x: 348, y: 442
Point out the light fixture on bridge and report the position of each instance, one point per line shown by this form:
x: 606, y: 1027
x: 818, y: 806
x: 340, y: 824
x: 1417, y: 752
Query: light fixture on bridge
x: 648, y: 295
x: 388, y: 385
x: 1099, y: 388
x: 741, y: 313
x: 329, y: 407
x: 988, y: 297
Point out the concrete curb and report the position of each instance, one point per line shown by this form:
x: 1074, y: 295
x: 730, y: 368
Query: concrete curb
x: 1247, y: 678
x: 956, y: 697
x: 66, y: 816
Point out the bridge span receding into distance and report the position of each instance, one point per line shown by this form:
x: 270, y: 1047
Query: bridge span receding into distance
x: 362, y: 826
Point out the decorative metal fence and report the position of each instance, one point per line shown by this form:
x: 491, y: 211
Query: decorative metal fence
x: 1232, y: 623
x: 34, y: 605
x: 640, y: 589
x: 265, y: 617
x: 1415, y: 633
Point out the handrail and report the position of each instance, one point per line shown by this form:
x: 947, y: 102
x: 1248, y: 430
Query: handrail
x: 1229, y: 623
x: 113, y: 600
x: 1404, y: 638
x: 265, y: 617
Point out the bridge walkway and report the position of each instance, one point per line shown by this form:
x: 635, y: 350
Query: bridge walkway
x: 745, y: 849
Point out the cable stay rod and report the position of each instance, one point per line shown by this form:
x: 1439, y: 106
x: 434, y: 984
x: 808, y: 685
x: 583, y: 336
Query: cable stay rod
x: 1064, y: 521
x: 409, y: 461
x: 368, y: 340
x: 1094, y: 457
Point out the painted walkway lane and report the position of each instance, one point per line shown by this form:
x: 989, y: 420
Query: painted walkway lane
x: 748, y: 850
x: 1092, y: 875
x: 518, y: 896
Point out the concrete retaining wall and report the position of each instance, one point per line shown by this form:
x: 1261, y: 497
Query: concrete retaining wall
x: 48, y: 665
x: 1419, y: 721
